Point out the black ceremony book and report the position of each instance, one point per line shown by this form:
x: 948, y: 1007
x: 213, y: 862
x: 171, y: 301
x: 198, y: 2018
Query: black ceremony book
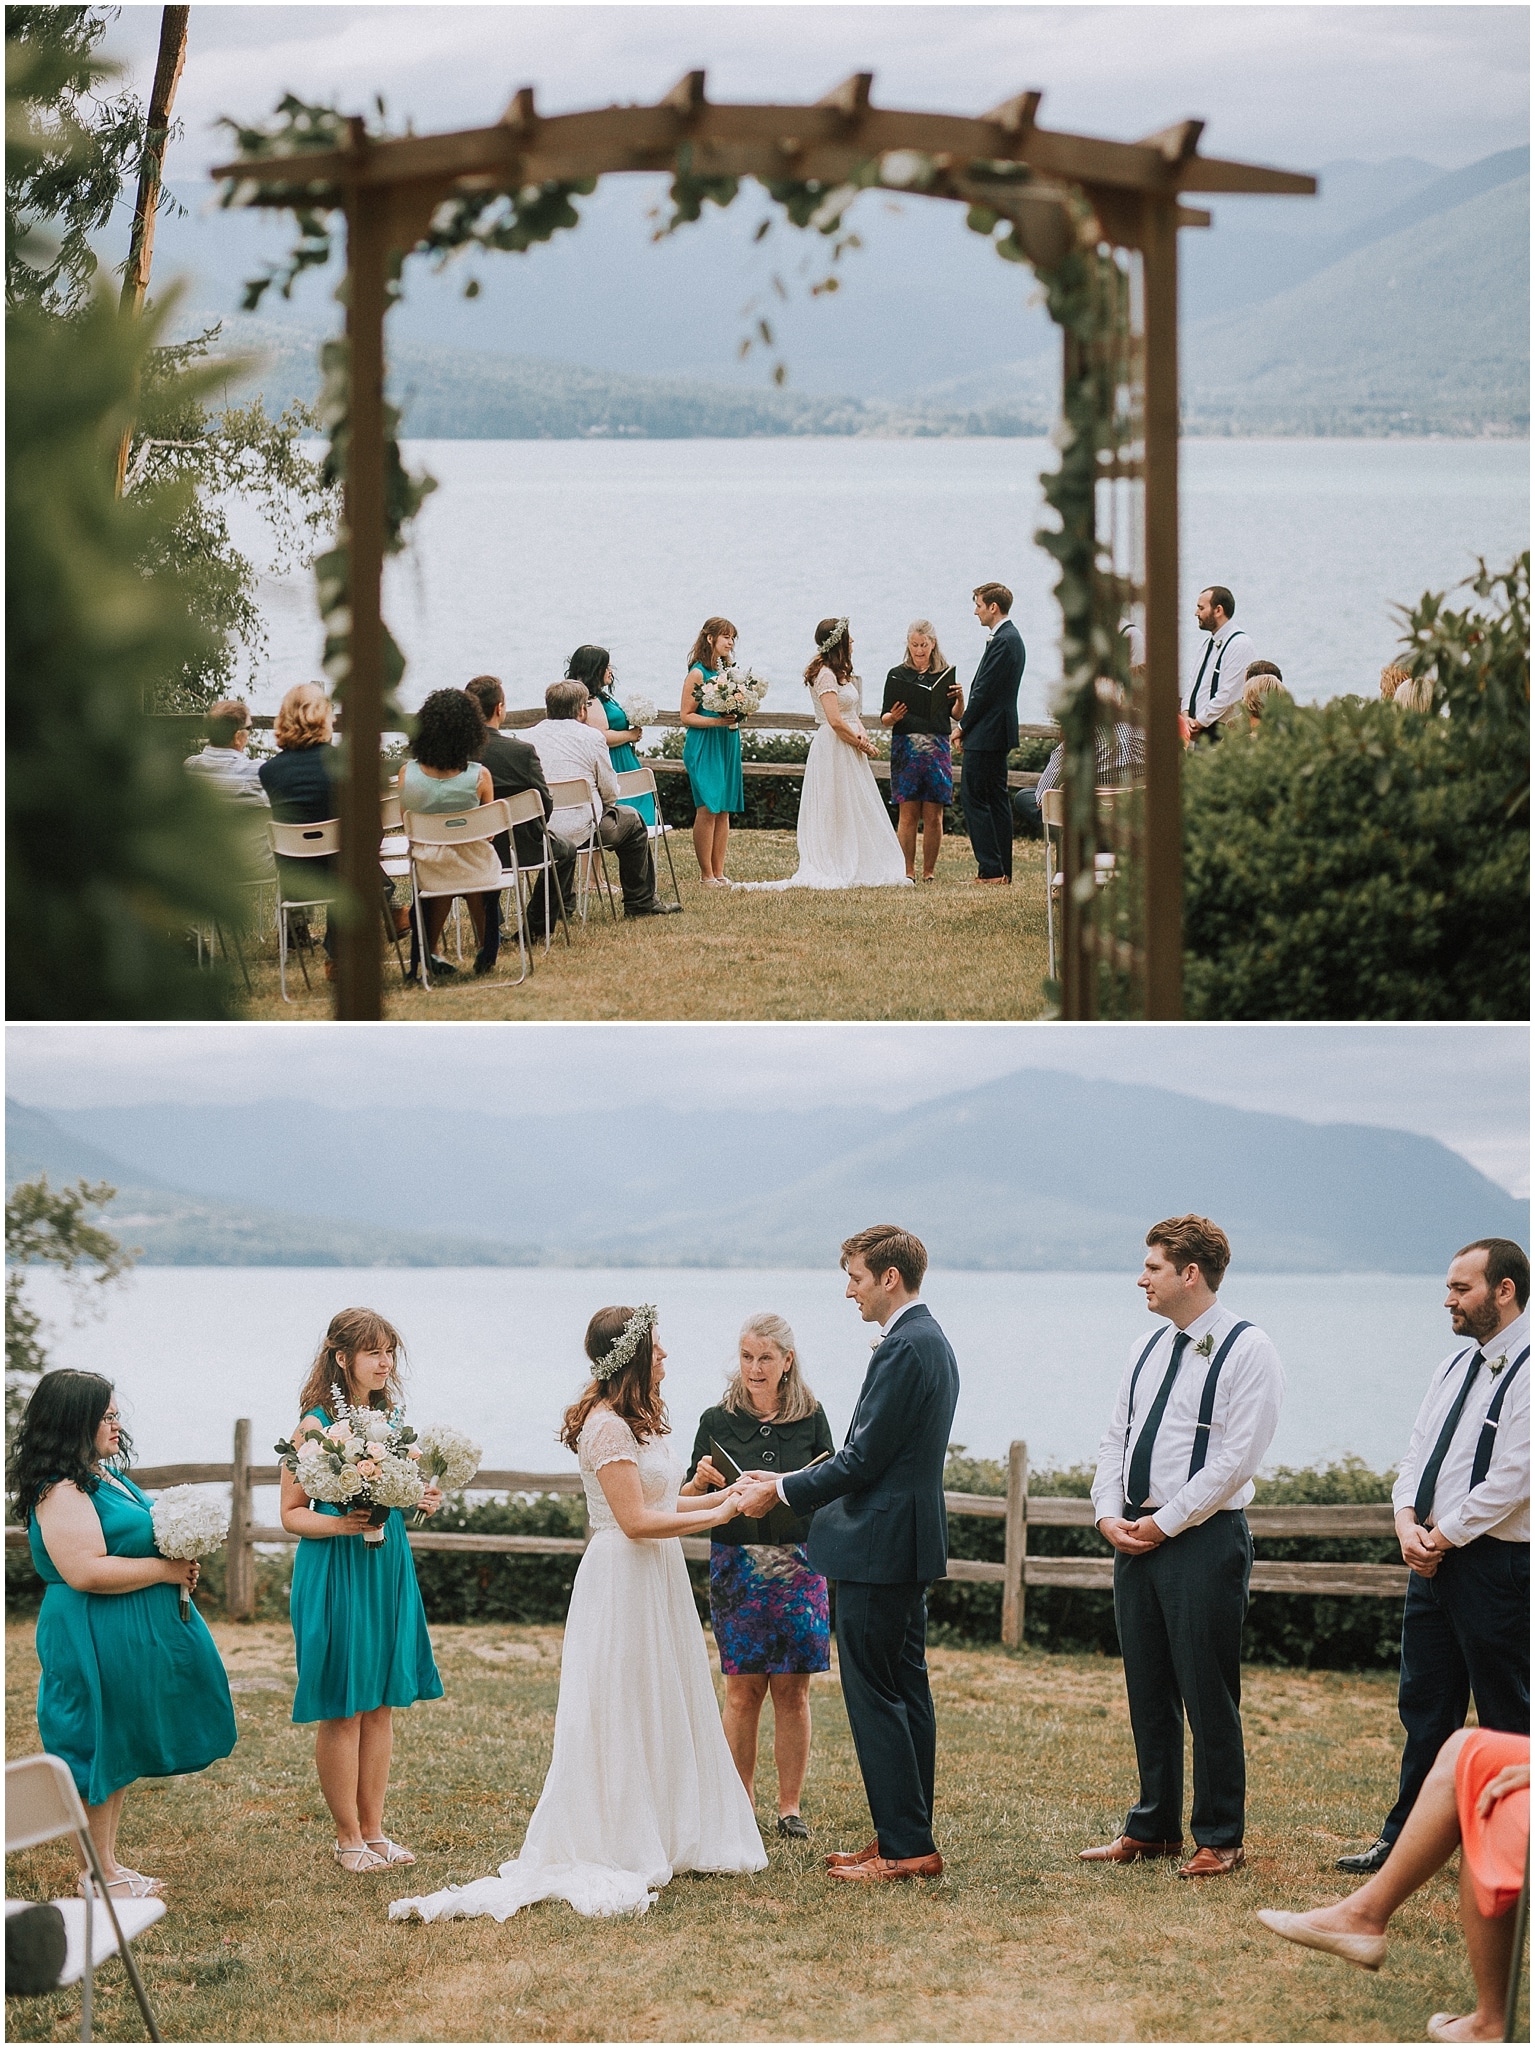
x: 780, y: 1524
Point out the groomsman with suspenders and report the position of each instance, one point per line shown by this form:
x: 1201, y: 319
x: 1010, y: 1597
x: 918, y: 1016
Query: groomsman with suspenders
x: 1462, y: 1505
x: 1222, y: 674
x: 1197, y: 1409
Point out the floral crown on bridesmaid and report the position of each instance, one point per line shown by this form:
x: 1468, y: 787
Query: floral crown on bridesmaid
x: 627, y: 1342
x: 837, y: 633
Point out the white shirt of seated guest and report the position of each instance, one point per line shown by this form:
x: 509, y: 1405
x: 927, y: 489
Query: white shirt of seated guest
x: 1248, y: 1396
x: 233, y: 770
x: 1500, y: 1506
x: 568, y: 748
x: 1221, y: 675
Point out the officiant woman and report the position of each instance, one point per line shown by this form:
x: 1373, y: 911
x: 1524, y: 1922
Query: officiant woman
x: 922, y: 697
x: 768, y: 1608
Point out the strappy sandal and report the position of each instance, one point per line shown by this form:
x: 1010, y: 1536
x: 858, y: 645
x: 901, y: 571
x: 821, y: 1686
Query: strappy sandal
x: 392, y: 1852
x: 371, y: 1860
x: 133, y: 1884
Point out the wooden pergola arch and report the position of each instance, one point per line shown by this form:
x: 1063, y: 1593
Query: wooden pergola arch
x: 389, y: 190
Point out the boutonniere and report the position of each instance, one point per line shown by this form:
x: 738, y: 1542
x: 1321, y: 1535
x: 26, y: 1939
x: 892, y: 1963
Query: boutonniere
x: 1205, y: 1345
x: 1496, y: 1365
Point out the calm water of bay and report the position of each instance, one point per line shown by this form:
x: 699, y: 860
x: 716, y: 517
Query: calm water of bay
x: 531, y: 547
x: 499, y: 1352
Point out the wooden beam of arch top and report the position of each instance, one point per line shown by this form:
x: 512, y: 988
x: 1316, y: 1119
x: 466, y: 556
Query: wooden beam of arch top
x: 751, y: 141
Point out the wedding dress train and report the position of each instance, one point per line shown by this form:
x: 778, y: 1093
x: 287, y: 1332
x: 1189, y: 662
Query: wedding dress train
x: 641, y: 1784
x: 846, y: 839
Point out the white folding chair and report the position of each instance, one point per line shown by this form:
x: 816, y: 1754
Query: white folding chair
x: 41, y: 1804
x: 299, y: 842
x: 578, y: 795
x: 394, y: 863
x: 1052, y: 812
x: 633, y: 782
x: 527, y: 808
x: 428, y: 829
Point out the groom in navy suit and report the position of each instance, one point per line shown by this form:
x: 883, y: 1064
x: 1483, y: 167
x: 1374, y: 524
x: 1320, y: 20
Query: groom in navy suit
x: 989, y: 732
x: 881, y: 1532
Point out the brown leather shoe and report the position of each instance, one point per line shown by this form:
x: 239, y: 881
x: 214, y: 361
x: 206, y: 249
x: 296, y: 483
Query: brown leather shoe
x: 1126, y: 1849
x: 841, y: 1856
x: 1214, y: 1863
x: 889, y: 1869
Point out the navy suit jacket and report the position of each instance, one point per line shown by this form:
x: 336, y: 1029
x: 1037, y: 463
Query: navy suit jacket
x: 991, y: 716
x: 878, y: 1505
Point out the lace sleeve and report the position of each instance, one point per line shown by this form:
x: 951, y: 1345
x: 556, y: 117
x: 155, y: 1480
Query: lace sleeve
x: 606, y: 1439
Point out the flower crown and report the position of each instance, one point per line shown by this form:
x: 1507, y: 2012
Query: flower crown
x: 837, y: 632
x: 627, y: 1342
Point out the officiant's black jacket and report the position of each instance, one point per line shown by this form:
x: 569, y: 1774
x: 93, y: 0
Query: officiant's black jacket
x: 879, y: 1514
x: 991, y: 717
x: 759, y: 1446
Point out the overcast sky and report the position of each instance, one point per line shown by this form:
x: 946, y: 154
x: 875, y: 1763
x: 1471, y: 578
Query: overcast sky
x: 1295, y: 86
x: 1467, y: 1085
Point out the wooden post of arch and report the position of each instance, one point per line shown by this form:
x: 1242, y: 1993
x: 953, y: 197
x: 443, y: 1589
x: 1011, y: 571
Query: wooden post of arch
x: 1162, y: 879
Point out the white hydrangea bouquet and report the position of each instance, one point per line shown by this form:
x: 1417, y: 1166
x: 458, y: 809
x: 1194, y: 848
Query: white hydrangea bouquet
x: 448, y: 1458
x: 637, y: 710
x: 189, y: 1523
x: 366, y: 1458
x: 733, y: 693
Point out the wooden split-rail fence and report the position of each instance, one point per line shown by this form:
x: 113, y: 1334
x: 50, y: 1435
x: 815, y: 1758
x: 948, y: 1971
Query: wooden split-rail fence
x: 1016, y: 1509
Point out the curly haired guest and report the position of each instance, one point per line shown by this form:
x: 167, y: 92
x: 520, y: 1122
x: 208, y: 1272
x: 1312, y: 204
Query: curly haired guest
x: 128, y: 1690
x: 445, y: 774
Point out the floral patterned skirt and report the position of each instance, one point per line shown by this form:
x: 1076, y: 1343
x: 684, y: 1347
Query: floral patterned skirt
x: 769, y: 1609
x: 921, y: 769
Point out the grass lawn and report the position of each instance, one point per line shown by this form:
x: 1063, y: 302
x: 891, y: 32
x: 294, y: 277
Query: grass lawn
x: 266, y: 1940
x: 941, y: 950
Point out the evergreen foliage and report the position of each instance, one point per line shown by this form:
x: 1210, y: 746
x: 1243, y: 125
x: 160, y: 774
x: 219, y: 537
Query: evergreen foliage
x: 51, y: 1226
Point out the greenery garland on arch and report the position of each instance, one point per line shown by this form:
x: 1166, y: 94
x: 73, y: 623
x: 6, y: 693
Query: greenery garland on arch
x: 1084, y: 288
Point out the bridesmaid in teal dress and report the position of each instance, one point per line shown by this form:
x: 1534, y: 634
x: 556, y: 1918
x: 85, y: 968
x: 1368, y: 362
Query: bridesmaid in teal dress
x: 128, y: 1690
x: 359, y: 1628
x: 594, y: 667
x: 711, y: 753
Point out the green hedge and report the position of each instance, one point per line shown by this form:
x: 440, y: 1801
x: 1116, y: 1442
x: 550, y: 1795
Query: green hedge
x: 1305, y: 1629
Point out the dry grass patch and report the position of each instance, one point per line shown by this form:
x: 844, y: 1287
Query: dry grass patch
x: 940, y: 950
x: 267, y: 1941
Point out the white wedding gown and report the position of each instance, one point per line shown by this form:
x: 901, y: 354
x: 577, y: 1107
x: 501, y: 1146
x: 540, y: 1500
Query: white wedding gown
x: 846, y: 840
x: 641, y: 1784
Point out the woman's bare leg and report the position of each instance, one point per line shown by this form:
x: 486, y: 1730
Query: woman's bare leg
x: 703, y: 841
x: 791, y: 1735
x: 336, y: 1746
x: 1490, y: 1946
x: 932, y: 839
x: 906, y: 832
x: 721, y: 841
x: 744, y: 1693
x: 375, y: 1745
x: 1427, y: 1842
x: 102, y: 1821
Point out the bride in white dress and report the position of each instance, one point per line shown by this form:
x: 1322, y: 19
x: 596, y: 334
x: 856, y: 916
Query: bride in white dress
x: 641, y: 1784
x: 846, y: 839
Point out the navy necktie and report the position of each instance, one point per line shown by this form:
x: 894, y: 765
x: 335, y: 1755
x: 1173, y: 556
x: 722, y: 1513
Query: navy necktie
x: 1423, y: 1505
x: 1140, y: 1458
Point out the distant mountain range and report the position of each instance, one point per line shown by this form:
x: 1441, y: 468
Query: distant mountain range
x: 1039, y: 1171
x: 1396, y: 302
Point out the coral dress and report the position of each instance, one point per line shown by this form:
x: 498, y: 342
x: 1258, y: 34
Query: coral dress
x: 359, y: 1628
x: 129, y: 1690
x: 1495, y: 1849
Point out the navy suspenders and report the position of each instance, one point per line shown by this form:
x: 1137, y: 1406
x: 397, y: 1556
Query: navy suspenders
x: 1481, y: 1464
x: 1207, y: 1402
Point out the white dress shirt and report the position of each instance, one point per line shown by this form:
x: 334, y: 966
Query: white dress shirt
x: 1223, y: 664
x: 1247, y: 1401
x: 568, y: 748
x: 1500, y: 1506
x: 232, y: 772
x: 884, y: 1333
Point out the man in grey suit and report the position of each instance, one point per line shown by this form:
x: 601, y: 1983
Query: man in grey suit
x: 880, y: 1531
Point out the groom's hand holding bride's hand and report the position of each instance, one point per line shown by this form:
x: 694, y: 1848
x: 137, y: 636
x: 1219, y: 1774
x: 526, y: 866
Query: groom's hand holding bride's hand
x: 759, y: 1494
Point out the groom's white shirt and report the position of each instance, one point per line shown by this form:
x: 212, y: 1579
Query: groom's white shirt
x: 915, y: 1302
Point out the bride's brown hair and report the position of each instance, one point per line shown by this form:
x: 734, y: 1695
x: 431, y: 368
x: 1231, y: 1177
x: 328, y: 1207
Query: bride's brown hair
x: 353, y: 1330
x: 629, y: 1392
x: 838, y: 657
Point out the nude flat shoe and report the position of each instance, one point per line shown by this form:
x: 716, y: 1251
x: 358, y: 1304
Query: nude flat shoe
x: 1439, y: 2026
x: 1367, y: 1951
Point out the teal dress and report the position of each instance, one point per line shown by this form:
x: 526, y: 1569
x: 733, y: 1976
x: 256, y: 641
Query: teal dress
x: 128, y: 1689
x: 712, y: 756
x: 622, y: 759
x: 359, y: 1628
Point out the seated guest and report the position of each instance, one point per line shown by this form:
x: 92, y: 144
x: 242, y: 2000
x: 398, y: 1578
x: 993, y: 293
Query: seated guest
x: 1262, y: 680
x: 1391, y: 680
x: 445, y: 775
x: 594, y: 667
x: 1119, y: 754
x: 298, y: 787
x: 514, y: 768
x: 568, y: 748
x: 224, y: 760
x: 1476, y: 1798
x: 1414, y: 693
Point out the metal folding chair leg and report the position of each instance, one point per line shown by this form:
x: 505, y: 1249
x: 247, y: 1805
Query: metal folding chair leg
x: 124, y: 1948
